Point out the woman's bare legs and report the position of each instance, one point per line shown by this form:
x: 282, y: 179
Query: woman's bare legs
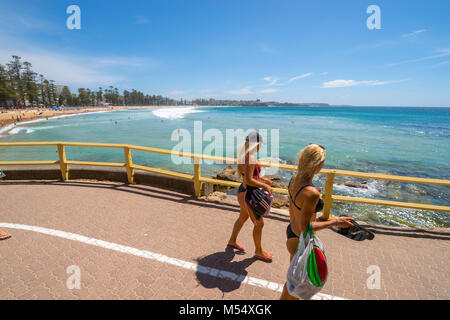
x: 258, y: 225
x: 244, y: 214
x: 243, y: 217
x: 291, y: 245
x: 257, y: 235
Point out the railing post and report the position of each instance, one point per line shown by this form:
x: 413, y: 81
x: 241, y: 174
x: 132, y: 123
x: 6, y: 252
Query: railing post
x: 197, y: 176
x: 327, y: 198
x: 129, y: 163
x: 63, y: 162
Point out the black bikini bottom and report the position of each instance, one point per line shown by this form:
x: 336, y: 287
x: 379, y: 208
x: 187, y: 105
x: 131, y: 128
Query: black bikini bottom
x: 241, y: 188
x: 289, y: 233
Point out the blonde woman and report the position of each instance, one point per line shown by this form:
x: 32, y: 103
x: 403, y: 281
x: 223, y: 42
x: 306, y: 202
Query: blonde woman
x: 305, y: 201
x: 250, y: 170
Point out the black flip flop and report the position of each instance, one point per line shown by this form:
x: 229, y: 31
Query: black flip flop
x: 356, y: 232
x: 370, y: 234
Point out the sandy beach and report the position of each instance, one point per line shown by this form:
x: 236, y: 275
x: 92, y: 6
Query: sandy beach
x: 8, y: 117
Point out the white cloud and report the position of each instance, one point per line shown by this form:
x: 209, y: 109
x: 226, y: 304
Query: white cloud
x: 204, y: 91
x: 407, y: 35
x: 269, y: 90
x: 12, y: 22
x: 122, y: 61
x: 272, y: 81
x: 324, y: 73
x: 443, y: 63
x: 300, y: 77
x: 240, y: 91
x: 177, y: 92
x: 65, y: 67
x: 444, y: 53
x: 353, y: 83
x: 62, y: 68
x: 69, y: 68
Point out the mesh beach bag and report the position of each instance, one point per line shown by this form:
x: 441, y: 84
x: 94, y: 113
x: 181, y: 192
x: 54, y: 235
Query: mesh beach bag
x: 308, y: 271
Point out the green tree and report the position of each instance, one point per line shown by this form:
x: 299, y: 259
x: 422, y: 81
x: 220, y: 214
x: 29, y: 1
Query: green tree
x: 47, y: 94
x: 66, y: 96
x: 52, y: 93
x: 14, y: 70
x: 42, y: 91
x: 6, y: 90
x: 82, y: 95
x: 30, y: 86
x: 99, y: 95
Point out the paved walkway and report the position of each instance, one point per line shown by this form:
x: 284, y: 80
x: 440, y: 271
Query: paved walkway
x: 158, y: 244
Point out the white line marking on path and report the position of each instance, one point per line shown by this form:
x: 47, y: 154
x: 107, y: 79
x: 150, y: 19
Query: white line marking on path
x: 165, y: 259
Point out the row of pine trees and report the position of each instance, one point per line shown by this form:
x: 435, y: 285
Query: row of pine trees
x: 20, y: 86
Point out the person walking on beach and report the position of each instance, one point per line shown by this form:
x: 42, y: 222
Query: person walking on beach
x: 305, y: 202
x: 249, y: 170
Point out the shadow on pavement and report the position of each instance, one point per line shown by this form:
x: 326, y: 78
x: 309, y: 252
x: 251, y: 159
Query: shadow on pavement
x: 404, y: 232
x: 145, y: 190
x: 155, y: 192
x: 231, y: 279
x: 410, y: 232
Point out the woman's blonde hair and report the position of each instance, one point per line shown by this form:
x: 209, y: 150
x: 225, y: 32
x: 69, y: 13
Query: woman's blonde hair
x: 245, y: 150
x: 309, y: 159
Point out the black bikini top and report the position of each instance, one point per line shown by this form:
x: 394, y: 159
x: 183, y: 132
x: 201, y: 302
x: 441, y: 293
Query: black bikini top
x: 319, y: 205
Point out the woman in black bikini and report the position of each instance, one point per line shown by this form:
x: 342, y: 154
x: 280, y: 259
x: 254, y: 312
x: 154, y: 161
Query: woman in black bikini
x: 249, y: 170
x: 305, y: 201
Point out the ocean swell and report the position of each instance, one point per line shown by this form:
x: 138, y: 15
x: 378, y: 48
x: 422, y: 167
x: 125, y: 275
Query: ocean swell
x: 174, y: 113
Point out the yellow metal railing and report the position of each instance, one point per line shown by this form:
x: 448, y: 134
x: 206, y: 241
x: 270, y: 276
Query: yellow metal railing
x: 198, y: 180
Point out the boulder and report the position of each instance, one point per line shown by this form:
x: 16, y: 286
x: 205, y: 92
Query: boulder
x: 353, y: 184
x: 216, y: 196
x: 273, y: 177
x: 228, y: 177
x: 229, y: 170
x: 281, y: 185
x: 280, y: 201
x: 228, y: 174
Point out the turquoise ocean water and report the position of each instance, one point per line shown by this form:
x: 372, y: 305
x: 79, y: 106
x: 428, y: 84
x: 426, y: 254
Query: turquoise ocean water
x: 399, y: 141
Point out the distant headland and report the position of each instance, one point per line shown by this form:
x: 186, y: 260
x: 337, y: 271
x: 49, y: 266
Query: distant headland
x: 255, y: 103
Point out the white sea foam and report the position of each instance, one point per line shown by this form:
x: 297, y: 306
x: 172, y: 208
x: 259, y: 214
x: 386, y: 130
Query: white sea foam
x: 78, y: 114
x: 174, y: 113
x: 373, y: 187
x: 7, y: 128
x: 16, y: 130
x: 271, y: 170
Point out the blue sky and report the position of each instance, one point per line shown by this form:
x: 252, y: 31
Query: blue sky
x: 297, y: 51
